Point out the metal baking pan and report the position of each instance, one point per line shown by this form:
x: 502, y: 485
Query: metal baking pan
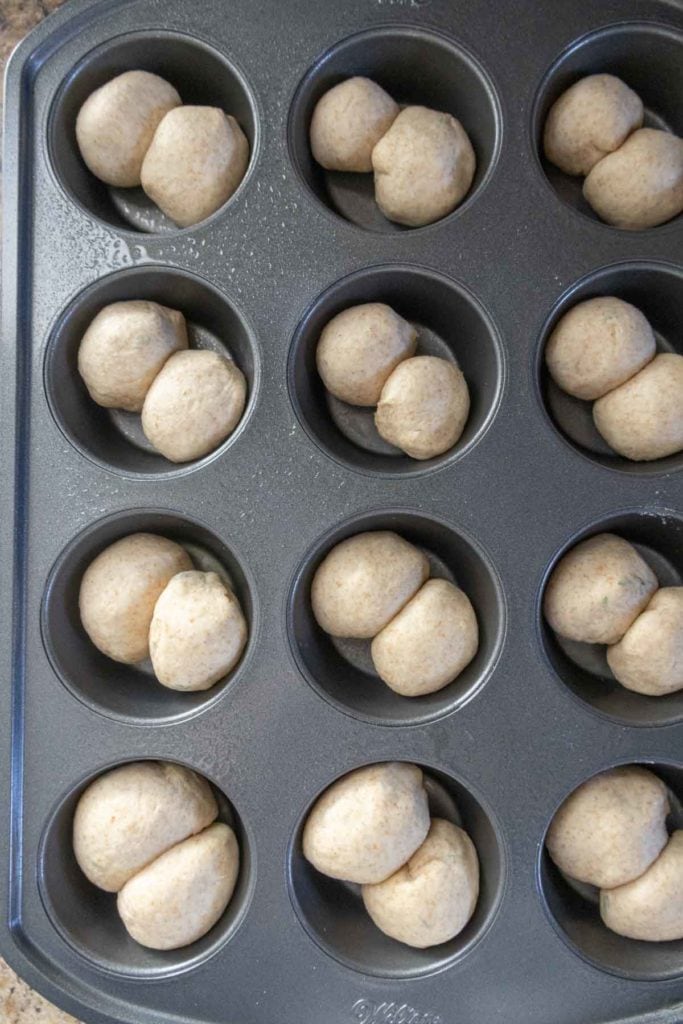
x: 528, y: 720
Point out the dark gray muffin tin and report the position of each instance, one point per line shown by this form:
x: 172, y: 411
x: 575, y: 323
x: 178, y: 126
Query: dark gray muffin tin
x: 529, y: 719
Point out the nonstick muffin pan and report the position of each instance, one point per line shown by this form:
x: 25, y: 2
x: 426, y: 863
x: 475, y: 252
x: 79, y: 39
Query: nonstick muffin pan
x: 529, y: 719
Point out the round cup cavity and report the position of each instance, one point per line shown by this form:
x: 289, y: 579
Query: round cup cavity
x: 414, y: 67
x: 583, y: 668
x: 113, y: 438
x: 451, y: 324
x: 573, y: 910
x: 341, y: 670
x: 647, y: 57
x: 87, y: 919
x: 131, y: 692
x: 655, y: 289
x: 333, y: 914
x: 202, y: 77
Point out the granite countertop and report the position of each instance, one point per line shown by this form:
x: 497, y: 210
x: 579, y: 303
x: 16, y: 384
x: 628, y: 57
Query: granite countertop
x: 18, y: 1003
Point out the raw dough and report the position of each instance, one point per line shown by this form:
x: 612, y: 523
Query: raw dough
x: 649, y: 657
x: 423, y: 407
x: 641, y: 184
x: 359, y: 348
x: 643, y: 419
x: 598, y: 345
x: 131, y: 814
x: 364, y: 581
x: 592, y: 118
x: 368, y: 823
x: 430, y: 641
x: 650, y: 907
x: 597, y: 590
x: 115, y: 125
x: 612, y: 828
x: 196, y: 160
x: 423, y: 166
x: 120, y: 588
x: 347, y: 122
x: 124, y: 348
x: 198, y: 632
x: 195, y: 402
x: 432, y: 897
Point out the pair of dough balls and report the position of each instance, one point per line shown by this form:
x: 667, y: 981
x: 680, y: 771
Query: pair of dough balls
x: 603, y: 592
x: 634, y: 175
x: 366, y: 357
x: 134, y: 130
x: 148, y: 832
x: 142, y: 598
x: 419, y: 877
x: 604, y: 350
x: 422, y: 159
x: 135, y: 356
x: 611, y: 833
x: 375, y: 586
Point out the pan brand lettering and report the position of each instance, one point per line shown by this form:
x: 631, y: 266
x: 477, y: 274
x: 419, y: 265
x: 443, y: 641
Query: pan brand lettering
x: 364, y: 1011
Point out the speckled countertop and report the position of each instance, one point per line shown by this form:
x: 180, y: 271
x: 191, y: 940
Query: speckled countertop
x: 18, y: 1003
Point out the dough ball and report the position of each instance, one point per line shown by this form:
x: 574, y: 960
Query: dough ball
x: 649, y: 657
x: 597, y: 590
x: 641, y: 184
x: 115, y: 125
x: 431, y: 898
x: 196, y: 160
x: 198, y: 632
x: 179, y: 896
x: 364, y: 581
x: 131, y: 814
x: 650, y: 907
x: 597, y: 346
x: 120, y: 588
x: 195, y: 402
x: 359, y: 348
x: 423, y: 407
x: 124, y: 348
x: 423, y: 166
x: 430, y: 641
x: 592, y: 118
x: 643, y: 418
x: 368, y: 823
x: 611, y: 828
x: 347, y: 122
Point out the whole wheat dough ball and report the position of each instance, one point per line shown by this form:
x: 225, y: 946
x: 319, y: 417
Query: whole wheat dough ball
x: 368, y: 823
x: 124, y: 348
x: 610, y: 829
x: 423, y: 166
x: 115, y: 125
x: 364, y: 581
x: 430, y: 641
x: 649, y: 657
x: 179, y: 896
x: 597, y: 346
x: 198, y: 632
x: 120, y: 588
x: 432, y: 897
x: 423, y: 407
x: 131, y: 814
x: 196, y: 160
x: 347, y: 122
x: 359, y: 348
x: 643, y: 418
x: 194, y: 403
x: 597, y: 590
x: 640, y: 185
x: 650, y: 907
x: 592, y: 118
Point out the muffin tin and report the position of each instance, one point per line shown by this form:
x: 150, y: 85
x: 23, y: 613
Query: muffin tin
x: 529, y: 719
